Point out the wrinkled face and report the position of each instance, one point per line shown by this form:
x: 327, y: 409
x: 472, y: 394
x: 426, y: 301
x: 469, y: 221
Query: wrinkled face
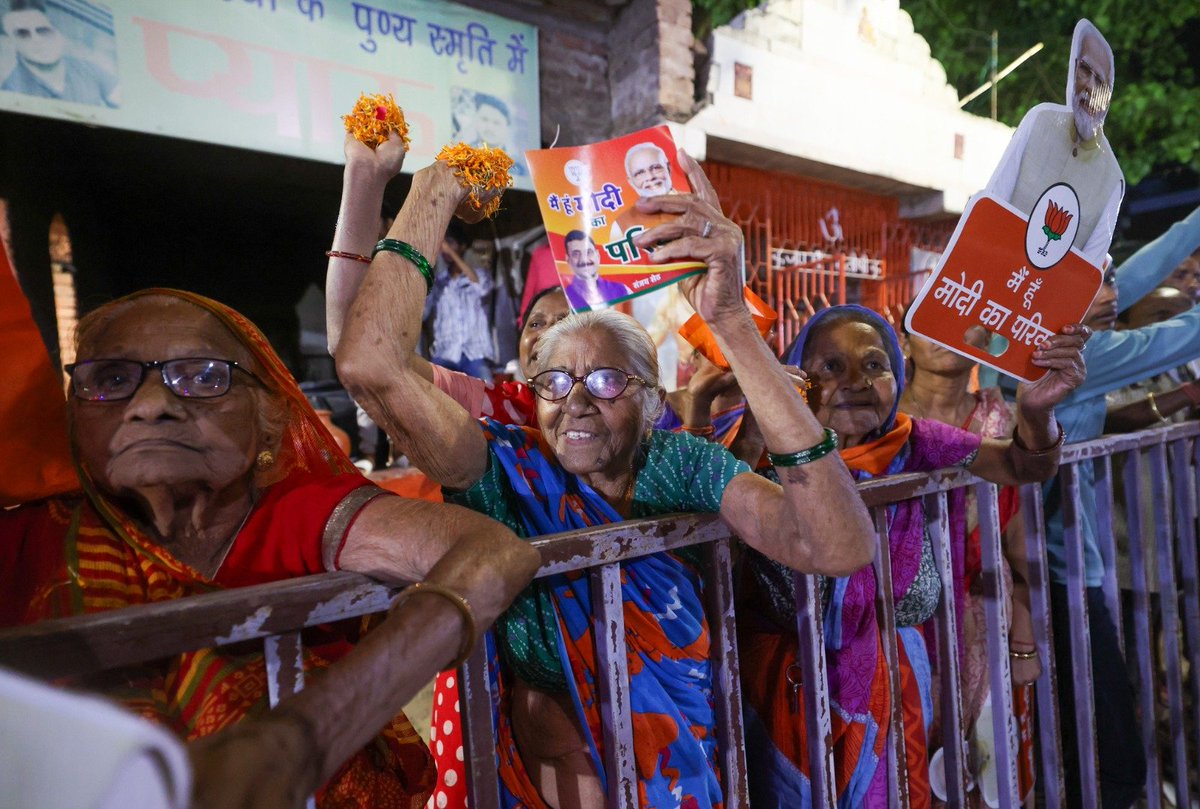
x: 649, y: 174
x: 853, y: 386
x: 491, y: 126
x: 590, y: 435
x: 156, y: 438
x: 1161, y: 304
x: 1186, y: 278
x: 35, y: 37
x: 1102, y: 314
x: 930, y: 357
x: 583, y: 259
x: 545, y: 313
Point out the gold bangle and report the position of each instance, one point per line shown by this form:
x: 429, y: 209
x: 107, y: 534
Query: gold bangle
x: 460, y: 603
x: 1032, y: 654
x: 1154, y: 408
x: 1062, y: 436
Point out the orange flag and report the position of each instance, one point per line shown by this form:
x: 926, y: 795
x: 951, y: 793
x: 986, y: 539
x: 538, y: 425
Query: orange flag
x: 697, y: 332
x: 33, y: 417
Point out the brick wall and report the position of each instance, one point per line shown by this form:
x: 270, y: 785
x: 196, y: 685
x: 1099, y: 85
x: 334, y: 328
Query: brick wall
x: 575, y: 92
x: 599, y: 81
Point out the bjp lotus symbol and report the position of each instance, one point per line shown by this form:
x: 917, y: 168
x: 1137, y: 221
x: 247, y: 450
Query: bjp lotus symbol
x: 1056, y: 223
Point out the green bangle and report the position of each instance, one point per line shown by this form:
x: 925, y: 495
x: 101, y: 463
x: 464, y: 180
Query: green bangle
x: 409, y: 252
x: 816, y: 453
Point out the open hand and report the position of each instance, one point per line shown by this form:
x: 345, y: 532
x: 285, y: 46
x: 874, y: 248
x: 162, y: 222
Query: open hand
x: 1062, y: 354
x: 699, y: 232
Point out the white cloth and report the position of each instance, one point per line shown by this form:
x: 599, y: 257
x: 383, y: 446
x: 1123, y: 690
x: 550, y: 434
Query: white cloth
x: 60, y: 750
x: 460, y: 321
x: 1058, y: 160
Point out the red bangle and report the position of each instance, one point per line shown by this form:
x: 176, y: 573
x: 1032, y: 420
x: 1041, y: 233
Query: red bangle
x: 703, y: 432
x: 352, y: 256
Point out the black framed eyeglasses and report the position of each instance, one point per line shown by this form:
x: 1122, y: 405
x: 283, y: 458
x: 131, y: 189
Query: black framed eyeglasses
x: 112, y: 380
x: 602, y: 383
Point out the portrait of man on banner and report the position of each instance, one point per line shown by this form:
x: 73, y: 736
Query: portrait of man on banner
x: 47, y: 53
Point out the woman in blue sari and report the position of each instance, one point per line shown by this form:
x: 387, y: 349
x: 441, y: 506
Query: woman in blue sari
x: 596, y: 459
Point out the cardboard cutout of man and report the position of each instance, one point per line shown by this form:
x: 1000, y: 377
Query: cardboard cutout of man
x: 1058, y: 143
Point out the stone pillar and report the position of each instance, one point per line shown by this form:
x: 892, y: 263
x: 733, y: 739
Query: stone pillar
x: 575, y: 91
x: 651, y: 64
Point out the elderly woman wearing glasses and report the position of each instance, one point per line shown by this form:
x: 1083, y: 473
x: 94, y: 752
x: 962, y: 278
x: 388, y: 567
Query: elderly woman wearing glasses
x: 596, y: 459
x: 202, y: 467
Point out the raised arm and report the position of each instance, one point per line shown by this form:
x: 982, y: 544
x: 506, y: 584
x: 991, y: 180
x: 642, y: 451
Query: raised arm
x: 377, y: 360
x: 277, y: 760
x: 1032, y: 454
x: 1149, y: 266
x: 815, y: 522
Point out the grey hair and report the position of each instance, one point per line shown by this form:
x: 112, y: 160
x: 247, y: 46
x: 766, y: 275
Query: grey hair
x: 640, y: 356
x: 647, y: 145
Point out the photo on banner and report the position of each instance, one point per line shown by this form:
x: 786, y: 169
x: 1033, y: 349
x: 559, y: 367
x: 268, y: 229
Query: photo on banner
x: 587, y: 197
x: 274, y: 76
x: 63, y: 50
x: 1025, y: 259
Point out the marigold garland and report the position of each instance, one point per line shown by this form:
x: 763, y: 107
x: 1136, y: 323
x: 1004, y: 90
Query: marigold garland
x: 374, y: 117
x: 481, y: 169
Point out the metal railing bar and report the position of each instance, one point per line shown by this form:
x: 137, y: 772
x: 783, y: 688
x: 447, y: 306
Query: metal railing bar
x: 1080, y: 640
x: 1112, y: 444
x: 1189, y: 573
x: 1142, y: 641
x: 885, y: 617
x: 284, y: 659
x: 996, y: 614
x: 478, y: 731
x: 1108, y: 542
x: 1053, y: 778
x: 1169, y: 605
x: 612, y: 682
x: 86, y: 643
x: 727, y: 684
x: 620, y: 542
x: 946, y: 622
x: 815, y: 690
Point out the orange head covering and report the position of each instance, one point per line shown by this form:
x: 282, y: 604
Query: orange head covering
x: 304, y: 448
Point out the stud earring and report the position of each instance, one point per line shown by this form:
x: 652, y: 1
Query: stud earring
x: 264, y: 459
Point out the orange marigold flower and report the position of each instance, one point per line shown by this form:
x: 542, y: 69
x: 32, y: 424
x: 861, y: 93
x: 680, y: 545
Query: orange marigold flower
x: 374, y: 117
x: 481, y: 169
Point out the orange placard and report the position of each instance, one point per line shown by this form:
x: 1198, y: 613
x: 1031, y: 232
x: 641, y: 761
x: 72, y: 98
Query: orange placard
x: 587, y: 195
x: 1019, y: 277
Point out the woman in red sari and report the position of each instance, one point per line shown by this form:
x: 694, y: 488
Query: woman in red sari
x: 203, y: 467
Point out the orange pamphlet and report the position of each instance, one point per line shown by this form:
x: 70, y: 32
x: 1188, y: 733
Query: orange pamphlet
x: 700, y: 336
x: 1019, y: 277
x: 587, y: 195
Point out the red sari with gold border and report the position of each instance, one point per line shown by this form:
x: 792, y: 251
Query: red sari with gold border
x: 84, y: 553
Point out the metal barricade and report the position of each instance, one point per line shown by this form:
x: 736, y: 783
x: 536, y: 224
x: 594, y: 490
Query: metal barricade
x: 275, y: 613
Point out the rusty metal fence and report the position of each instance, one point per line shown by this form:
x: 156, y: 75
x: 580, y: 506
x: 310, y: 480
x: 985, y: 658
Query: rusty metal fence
x: 1159, y: 504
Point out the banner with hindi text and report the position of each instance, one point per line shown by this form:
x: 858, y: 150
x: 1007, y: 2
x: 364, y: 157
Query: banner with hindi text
x: 276, y: 75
